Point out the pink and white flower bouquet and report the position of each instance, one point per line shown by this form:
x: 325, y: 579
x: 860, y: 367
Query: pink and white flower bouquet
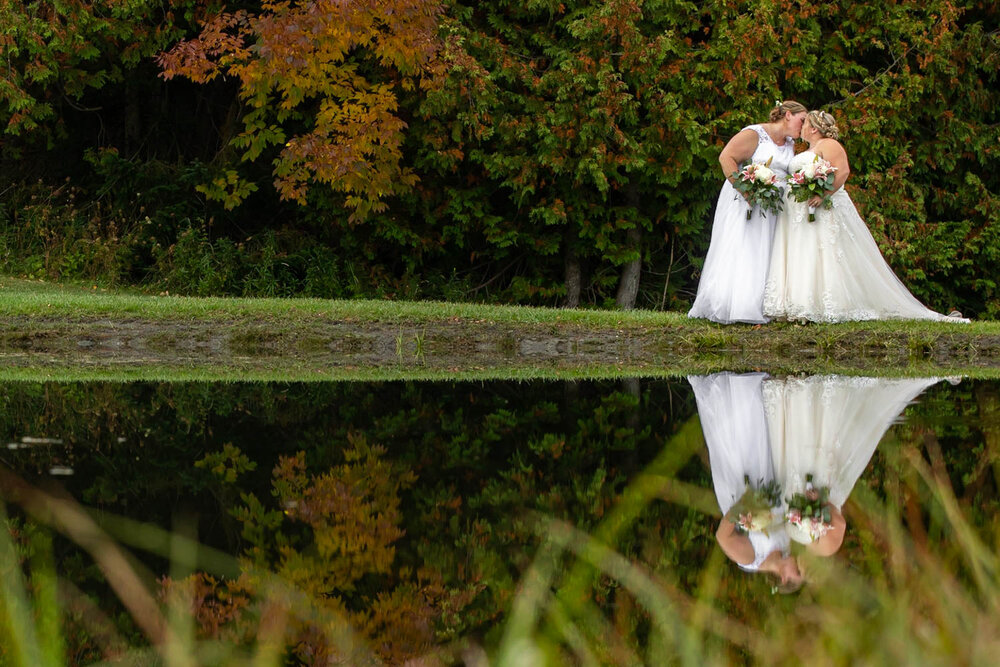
x: 813, y: 180
x: 755, y: 510
x: 808, y: 516
x: 760, y: 186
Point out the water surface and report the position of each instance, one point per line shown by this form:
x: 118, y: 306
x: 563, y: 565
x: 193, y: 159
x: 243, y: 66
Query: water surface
x: 420, y: 512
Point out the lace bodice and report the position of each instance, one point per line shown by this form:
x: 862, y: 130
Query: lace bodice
x: 766, y: 148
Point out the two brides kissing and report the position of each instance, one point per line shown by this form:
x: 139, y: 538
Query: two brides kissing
x: 811, y: 259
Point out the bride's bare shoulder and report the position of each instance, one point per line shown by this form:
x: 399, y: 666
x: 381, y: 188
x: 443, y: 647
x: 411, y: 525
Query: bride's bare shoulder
x: 828, y: 148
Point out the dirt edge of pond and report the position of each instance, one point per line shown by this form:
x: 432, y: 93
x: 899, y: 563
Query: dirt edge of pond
x: 458, y: 344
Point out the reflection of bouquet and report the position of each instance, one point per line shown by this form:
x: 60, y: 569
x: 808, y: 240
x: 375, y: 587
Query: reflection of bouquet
x: 754, y: 511
x: 808, y: 515
x: 813, y: 180
x: 759, y: 184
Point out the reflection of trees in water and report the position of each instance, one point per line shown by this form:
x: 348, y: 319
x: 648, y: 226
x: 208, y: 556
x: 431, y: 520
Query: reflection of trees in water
x: 480, y: 456
x: 951, y: 434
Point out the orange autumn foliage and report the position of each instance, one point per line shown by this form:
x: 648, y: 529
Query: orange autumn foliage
x: 309, y: 573
x: 320, y: 82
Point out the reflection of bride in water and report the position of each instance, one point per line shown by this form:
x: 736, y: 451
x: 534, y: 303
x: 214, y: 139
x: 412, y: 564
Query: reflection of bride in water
x: 797, y: 430
x: 826, y: 427
x: 732, y: 416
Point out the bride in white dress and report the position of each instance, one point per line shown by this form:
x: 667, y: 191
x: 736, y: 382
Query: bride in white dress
x: 731, y: 288
x: 828, y: 426
x: 831, y: 270
x: 731, y: 411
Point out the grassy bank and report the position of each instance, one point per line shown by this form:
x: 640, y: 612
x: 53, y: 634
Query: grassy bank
x: 72, y: 332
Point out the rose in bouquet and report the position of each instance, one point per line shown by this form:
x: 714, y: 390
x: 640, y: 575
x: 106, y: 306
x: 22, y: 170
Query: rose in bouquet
x: 813, y: 180
x: 754, y: 511
x: 759, y: 185
x: 809, y: 515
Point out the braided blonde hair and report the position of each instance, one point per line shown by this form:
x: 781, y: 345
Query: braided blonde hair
x: 824, y: 124
x: 781, y: 108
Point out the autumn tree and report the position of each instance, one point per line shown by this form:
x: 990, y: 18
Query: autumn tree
x: 320, y: 81
x: 331, y: 540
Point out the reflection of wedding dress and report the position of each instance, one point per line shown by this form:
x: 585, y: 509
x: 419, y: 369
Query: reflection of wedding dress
x: 831, y: 270
x: 731, y: 411
x: 829, y: 426
x: 731, y: 288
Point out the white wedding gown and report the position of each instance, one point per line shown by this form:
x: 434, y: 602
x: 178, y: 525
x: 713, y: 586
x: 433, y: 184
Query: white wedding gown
x: 831, y: 270
x: 731, y: 288
x: 731, y: 411
x: 828, y: 426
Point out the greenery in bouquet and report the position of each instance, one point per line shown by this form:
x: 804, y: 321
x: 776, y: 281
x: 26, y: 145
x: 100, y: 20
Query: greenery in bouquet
x: 809, y: 514
x: 813, y: 180
x: 754, y: 511
x: 758, y: 184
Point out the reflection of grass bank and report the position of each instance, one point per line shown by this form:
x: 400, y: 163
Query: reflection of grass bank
x: 70, y: 332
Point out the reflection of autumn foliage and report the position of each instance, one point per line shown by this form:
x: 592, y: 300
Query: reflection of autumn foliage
x: 320, y: 80
x: 332, y: 542
x: 218, y: 607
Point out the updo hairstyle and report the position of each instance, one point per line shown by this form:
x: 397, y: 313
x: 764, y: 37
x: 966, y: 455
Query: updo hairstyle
x: 824, y: 124
x: 779, y: 110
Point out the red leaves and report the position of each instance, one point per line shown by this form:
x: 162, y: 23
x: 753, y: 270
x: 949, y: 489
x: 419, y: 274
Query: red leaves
x: 220, y: 43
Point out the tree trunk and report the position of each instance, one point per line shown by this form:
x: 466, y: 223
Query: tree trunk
x: 628, y: 286
x: 630, y: 461
x: 572, y: 276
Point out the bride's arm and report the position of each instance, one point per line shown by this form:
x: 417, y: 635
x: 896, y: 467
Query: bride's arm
x: 739, y: 149
x: 830, y: 543
x: 831, y: 151
x: 734, y: 544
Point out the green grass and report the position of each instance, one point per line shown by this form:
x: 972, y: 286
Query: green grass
x: 38, y: 299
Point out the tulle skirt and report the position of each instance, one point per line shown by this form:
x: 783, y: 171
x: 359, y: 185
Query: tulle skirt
x: 731, y: 288
x: 831, y: 270
x: 731, y: 411
x: 829, y: 426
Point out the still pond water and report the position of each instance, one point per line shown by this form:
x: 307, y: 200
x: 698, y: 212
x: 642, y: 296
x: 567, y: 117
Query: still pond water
x: 420, y: 514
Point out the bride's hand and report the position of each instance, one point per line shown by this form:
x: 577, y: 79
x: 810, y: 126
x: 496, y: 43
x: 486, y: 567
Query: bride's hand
x: 815, y: 201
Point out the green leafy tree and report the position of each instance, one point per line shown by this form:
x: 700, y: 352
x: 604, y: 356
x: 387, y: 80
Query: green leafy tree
x: 58, y: 53
x: 572, y: 117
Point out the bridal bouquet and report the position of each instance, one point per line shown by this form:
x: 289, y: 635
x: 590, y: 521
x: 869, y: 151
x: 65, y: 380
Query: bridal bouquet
x: 754, y: 511
x: 815, y: 179
x: 759, y: 184
x: 808, y: 515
